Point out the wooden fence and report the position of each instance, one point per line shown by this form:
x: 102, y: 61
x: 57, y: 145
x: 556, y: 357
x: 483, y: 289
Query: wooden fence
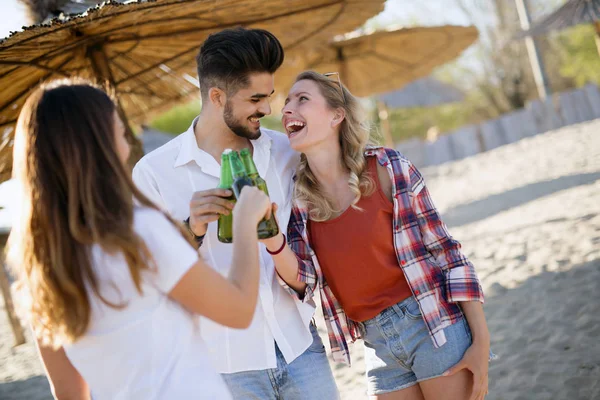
x: 15, y: 324
x: 561, y: 109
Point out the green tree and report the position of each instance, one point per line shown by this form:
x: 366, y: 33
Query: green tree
x: 578, y: 54
x: 179, y: 118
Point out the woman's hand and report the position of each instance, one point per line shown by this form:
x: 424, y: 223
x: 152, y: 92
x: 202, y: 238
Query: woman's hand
x: 475, y: 360
x: 273, y: 243
x: 252, y: 205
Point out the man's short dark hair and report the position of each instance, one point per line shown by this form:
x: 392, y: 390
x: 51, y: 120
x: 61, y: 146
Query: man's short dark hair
x: 227, y: 57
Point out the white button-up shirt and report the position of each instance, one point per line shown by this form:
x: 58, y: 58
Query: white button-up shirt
x: 169, y: 176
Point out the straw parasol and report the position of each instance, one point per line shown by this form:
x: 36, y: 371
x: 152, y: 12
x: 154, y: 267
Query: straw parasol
x: 573, y: 12
x: 142, y: 50
x: 383, y: 60
x: 380, y: 61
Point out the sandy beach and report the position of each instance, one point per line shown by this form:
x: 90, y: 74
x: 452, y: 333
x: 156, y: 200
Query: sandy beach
x: 528, y: 215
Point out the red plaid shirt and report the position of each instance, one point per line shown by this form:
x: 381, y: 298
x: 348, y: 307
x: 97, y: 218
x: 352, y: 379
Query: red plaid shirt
x: 438, y: 274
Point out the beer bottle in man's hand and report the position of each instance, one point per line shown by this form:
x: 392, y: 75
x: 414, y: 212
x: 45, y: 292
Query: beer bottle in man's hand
x: 225, y: 223
x: 240, y: 177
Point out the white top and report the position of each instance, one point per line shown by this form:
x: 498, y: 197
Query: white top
x: 169, y: 176
x: 151, y: 348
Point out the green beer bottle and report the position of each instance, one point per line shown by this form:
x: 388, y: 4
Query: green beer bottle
x: 240, y: 177
x: 267, y: 227
x: 225, y: 223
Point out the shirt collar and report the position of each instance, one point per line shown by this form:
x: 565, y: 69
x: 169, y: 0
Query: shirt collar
x: 262, y: 152
x: 379, y: 152
x: 188, y: 146
x: 189, y: 151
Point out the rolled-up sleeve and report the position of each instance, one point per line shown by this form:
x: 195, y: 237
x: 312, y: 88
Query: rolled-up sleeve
x: 462, y: 283
x: 306, y: 269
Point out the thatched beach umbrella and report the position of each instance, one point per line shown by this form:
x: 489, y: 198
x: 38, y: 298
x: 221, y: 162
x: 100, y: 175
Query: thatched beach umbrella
x: 384, y: 60
x: 573, y: 12
x: 143, y: 49
x: 380, y: 61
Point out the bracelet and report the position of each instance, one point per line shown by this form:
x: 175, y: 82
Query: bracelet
x: 274, y: 253
x: 197, y: 239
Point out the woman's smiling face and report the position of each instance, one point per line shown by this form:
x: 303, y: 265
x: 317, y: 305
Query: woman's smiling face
x: 307, y: 118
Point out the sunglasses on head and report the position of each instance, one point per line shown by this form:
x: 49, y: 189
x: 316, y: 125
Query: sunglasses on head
x: 328, y: 74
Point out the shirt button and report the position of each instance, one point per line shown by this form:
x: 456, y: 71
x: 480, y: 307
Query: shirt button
x: 396, y: 227
x: 403, y: 263
x: 417, y: 292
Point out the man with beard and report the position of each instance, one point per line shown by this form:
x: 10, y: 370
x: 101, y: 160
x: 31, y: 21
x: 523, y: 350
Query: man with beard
x: 280, y: 355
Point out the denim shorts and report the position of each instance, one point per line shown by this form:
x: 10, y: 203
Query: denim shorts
x: 399, y: 352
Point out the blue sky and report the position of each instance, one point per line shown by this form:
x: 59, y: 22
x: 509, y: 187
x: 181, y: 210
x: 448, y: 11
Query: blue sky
x: 413, y: 12
x: 8, y: 200
x: 12, y: 17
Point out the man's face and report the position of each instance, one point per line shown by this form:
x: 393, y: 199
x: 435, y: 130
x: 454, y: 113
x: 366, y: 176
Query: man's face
x: 244, y: 108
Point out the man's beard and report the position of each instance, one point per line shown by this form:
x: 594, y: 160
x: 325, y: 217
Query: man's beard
x: 239, y: 128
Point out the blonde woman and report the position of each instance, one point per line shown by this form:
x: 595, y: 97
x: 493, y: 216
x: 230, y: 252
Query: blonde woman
x: 366, y: 235
x: 112, y: 283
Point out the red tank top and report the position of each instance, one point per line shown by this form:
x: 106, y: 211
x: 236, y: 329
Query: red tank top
x: 357, y: 255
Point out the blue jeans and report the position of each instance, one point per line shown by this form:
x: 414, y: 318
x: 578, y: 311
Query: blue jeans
x: 307, y: 377
x: 399, y: 352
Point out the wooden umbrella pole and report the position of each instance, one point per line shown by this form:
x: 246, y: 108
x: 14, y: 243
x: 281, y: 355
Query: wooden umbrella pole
x: 14, y: 321
x: 597, y: 36
x: 384, y: 122
x: 535, y: 59
x: 101, y: 68
x: 382, y: 110
x: 343, y: 69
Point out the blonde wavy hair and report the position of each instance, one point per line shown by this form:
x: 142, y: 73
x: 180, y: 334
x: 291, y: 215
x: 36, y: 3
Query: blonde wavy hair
x: 76, y: 193
x: 354, y: 137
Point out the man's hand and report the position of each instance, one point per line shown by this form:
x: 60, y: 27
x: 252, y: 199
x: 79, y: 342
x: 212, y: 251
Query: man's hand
x: 206, y: 206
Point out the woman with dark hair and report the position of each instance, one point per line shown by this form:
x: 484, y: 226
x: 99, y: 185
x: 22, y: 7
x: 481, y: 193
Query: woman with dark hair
x: 366, y: 235
x: 111, y: 284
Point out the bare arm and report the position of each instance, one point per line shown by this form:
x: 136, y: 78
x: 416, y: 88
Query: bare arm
x: 294, y: 265
x: 65, y: 381
x: 286, y: 263
x: 229, y: 301
x: 473, y: 311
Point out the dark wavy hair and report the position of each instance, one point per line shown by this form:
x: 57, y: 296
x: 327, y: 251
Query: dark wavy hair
x: 227, y: 57
x: 76, y: 193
